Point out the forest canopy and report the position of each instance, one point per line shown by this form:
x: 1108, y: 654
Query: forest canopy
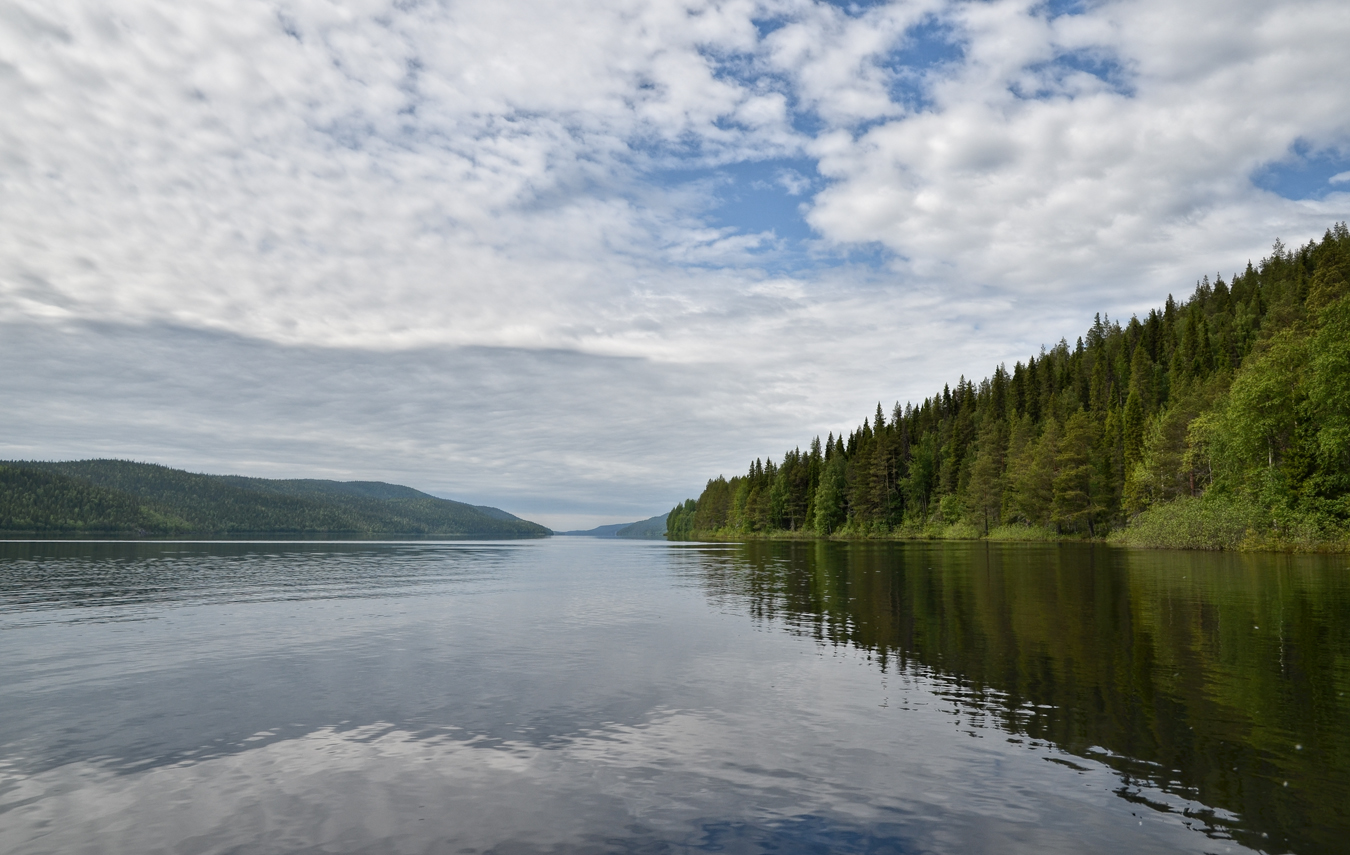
x: 1220, y: 422
x: 122, y: 497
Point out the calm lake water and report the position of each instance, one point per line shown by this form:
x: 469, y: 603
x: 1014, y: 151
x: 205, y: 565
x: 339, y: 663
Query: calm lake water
x: 579, y: 695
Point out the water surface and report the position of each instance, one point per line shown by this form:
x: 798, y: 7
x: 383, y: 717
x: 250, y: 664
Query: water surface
x: 580, y: 695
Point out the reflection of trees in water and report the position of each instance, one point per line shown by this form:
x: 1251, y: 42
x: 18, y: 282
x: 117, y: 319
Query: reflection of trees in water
x: 1215, y: 677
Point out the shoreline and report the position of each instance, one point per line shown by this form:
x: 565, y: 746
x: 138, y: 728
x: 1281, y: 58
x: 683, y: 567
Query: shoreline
x: 1033, y: 536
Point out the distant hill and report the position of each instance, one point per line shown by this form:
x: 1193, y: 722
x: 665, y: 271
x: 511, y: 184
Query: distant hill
x: 648, y: 529
x: 653, y: 528
x: 598, y: 531
x: 495, y: 513
x: 121, y: 497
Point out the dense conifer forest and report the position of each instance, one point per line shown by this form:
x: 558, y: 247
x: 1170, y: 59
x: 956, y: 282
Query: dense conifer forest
x: 121, y: 497
x: 1221, y: 422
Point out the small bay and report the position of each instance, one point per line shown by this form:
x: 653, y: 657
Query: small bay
x: 587, y: 695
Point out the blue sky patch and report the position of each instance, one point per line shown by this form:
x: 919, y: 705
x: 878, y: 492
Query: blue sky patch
x: 1059, y: 8
x: 767, y: 196
x: 805, y: 122
x: 1054, y: 72
x: 856, y: 7
x: 760, y: 196
x: 928, y: 45
x: 1305, y: 173
x: 1099, y: 64
x: 767, y: 25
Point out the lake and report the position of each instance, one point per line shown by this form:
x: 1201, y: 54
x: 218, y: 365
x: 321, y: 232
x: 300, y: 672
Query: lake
x: 584, y: 695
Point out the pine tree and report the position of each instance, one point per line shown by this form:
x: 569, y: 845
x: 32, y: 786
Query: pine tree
x: 1031, y: 476
x: 829, y: 499
x: 1075, y: 502
x: 985, y: 490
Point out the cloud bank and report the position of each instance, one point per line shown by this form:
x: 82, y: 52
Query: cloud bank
x: 651, y: 238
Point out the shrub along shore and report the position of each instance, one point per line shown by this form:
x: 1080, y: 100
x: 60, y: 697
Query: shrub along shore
x: 1193, y: 531
x: 1221, y: 422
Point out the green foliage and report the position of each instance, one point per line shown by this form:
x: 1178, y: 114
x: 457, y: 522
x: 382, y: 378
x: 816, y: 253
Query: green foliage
x: 118, y: 496
x: 1211, y: 522
x: 41, y: 502
x: 680, y: 520
x: 1328, y: 389
x: 1255, y: 431
x: 1075, y: 491
x: 1031, y: 474
x: 830, y: 495
x: 986, y: 485
x: 1022, y: 533
x: 1239, y: 395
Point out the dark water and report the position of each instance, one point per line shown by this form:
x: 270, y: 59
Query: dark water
x: 577, y: 695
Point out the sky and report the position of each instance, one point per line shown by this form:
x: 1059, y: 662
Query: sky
x: 572, y: 259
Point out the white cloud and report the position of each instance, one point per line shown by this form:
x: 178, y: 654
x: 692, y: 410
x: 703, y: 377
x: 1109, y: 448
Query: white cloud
x: 648, y: 775
x: 370, y: 176
x: 1085, y: 187
x: 793, y: 182
x: 1339, y: 178
x: 834, y: 58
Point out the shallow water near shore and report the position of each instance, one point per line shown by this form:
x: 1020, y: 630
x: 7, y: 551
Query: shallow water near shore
x: 585, y: 695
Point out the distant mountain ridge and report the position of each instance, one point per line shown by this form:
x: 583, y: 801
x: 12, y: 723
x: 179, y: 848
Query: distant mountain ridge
x: 653, y: 528
x: 122, y: 497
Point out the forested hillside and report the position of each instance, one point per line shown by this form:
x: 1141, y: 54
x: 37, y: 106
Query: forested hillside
x: 1222, y: 422
x: 118, y: 496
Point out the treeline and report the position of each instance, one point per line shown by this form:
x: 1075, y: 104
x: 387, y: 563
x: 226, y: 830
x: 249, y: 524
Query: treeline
x: 1221, y: 421
x: 121, y: 497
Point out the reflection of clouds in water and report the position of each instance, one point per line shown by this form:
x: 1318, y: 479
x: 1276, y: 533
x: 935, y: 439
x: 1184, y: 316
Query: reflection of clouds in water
x: 682, y: 778
x: 556, y: 695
